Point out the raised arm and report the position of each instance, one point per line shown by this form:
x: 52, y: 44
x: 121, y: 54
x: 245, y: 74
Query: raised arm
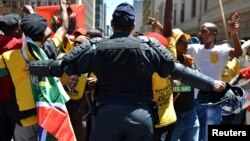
x: 62, y: 30
x: 167, y: 25
x: 166, y: 29
x: 234, y: 29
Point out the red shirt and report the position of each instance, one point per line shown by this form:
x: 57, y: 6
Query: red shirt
x: 246, y: 74
x: 9, y: 43
x: 6, y: 44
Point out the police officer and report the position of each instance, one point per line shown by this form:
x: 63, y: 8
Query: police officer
x: 123, y: 65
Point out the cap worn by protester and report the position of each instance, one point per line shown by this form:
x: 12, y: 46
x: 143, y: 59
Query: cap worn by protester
x: 157, y: 36
x: 79, y: 31
x: 124, y: 9
x: 33, y: 25
x: 177, y: 33
x: 9, y: 21
x: 92, y: 33
x: 194, y: 40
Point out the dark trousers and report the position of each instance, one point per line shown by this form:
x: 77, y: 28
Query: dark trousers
x: 236, y: 119
x: 164, y: 133
x: 7, y: 121
x: 114, y: 122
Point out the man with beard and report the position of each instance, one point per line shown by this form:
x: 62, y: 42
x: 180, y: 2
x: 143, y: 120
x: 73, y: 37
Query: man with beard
x: 211, y: 59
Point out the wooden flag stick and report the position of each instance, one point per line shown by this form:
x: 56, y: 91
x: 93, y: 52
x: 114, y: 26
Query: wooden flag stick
x: 224, y: 20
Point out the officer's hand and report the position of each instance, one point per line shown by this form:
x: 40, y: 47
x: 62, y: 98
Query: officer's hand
x: 26, y: 69
x: 219, y: 86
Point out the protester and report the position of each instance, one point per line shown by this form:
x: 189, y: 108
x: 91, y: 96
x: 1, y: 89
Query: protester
x: 245, y: 58
x: 211, y: 59
x: 167, y: 115
x: 163, y: 96
x: 243, y: 80
x: 10, y: 40
x: 187, y: 125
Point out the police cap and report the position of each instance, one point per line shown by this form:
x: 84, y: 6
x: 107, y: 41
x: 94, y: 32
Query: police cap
x: 124, y: 9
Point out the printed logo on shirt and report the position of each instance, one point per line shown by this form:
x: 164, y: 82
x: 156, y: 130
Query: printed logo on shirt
x: 182, y: 88
x: 214, y: 57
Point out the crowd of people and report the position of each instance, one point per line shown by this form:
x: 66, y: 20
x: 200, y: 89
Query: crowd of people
x: 152, y: 86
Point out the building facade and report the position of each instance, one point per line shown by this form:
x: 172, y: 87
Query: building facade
x: 188, y: 15
x: 100, y: 16
x: 138, y: 6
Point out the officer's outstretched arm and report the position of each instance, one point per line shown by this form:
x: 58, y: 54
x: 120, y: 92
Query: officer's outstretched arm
x: 75, y: 62
x: 188, y: 76
x: 196, y: 79
x: 192, y: 77
x: 46, y: 68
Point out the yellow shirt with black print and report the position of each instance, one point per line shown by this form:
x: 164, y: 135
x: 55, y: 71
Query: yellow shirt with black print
x: 163, y: 93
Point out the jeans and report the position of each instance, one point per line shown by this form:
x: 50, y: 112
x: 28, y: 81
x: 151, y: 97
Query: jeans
x: 186, y: 126
x: 208, y: 115
x: 164, y: 133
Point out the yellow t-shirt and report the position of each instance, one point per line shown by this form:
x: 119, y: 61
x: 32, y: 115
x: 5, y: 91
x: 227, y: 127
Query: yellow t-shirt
x: 163, y: 95
x: 231, y: 69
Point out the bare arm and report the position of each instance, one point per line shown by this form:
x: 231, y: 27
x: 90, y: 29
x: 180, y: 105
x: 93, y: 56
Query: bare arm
x: 167, y: 26
x: 166, y: 29
x: 62, y: 30
x: 240, y: 81
x: 234, y: 29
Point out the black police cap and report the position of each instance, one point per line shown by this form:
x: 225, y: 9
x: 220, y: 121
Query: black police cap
x: 124, y: 9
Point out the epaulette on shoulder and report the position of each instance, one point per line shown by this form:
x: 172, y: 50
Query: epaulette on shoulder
x: 95, y: 40
x: 144, y: 39
x: 149, y: 40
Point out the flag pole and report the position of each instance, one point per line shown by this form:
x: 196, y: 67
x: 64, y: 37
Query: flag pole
x: 224, y: 21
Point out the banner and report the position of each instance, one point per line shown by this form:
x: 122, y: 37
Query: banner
x: 52, y: 15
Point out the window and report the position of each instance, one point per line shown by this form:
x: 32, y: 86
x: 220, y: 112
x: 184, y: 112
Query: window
x: 33, y: 3
x: 6, y: 3
x: 193, y: 8
x: 14, y: 4
x: 174, y: 17
x: 205, y: 6
x: 182, y: 12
